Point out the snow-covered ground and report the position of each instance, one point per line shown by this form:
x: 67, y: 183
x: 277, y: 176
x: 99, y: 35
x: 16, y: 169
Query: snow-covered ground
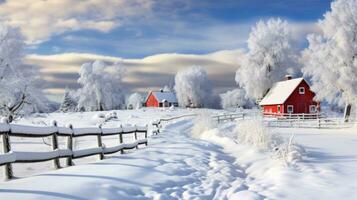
x: 180, y: 165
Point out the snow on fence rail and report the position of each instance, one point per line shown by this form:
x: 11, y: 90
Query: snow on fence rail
x: 302, y: 116
x: 313, y: 120
x: 310, y: 123
x: 158, y: 123
x: 228, y: 117
x: 13, y: 130
x: 219, y: 118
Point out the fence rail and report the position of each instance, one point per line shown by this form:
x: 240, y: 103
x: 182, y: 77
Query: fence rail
x: 158, y: 123
x: 228, y: 117
x: 310, y: 123
x: 294, y: 115
x: 13, y: 130
x: 314, y: 120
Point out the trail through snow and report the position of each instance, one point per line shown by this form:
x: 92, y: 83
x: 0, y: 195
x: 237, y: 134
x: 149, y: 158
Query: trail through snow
x: 173, y: 166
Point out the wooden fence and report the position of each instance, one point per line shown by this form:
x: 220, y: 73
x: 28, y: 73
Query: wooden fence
x: 301, y: 116
x: 13, y: 130
x: 310, y: 123
x: 219, y: 118
x: 291, y: 120
x: 228, y: 117
x: 158, y: 123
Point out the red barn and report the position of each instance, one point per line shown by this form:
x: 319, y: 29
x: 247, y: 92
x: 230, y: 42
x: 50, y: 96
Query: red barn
x: 161, y: 99
x: 290, y: 96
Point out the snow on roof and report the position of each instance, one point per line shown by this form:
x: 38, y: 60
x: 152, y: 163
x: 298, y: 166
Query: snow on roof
x: 280, y: 92
x: 168, y: 96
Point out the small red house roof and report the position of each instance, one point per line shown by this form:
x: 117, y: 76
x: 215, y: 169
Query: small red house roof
x: 164, y: 96
x: 280, y: 92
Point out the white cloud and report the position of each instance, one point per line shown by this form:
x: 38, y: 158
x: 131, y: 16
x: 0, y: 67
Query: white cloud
x: 144, y: 74
x: 301, y: 29
x: 39, y: 20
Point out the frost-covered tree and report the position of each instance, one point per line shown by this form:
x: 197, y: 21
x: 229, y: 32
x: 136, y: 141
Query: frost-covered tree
x: 167, y: 89
x: 234, y: 99
x: 193, y: 89
x: 270, y: 57
x: 135, y: 101
x: 69, y: 103
x: 331, y: 57
x: 19, y: 84
x: 102, y: 86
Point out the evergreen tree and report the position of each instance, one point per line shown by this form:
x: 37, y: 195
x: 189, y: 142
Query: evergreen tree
x: 69, y: 103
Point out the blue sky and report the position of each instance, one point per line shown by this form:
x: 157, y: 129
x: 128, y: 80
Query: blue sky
x: 152, y: 38
x: 182, y: 21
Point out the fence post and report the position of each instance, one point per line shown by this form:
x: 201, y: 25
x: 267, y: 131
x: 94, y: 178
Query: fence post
x: 100, y: 143
x: 146, y: 135
x: 319, y: 122
x: 6, y: 149
x: 70, y: 145
x: 136, y: 136
x: 121, y: 138
x: 56, y: 162
x: 158, y: 127
x: 218, y: 119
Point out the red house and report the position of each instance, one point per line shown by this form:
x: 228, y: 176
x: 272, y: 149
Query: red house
x: 161, y: 99
x: 290, y: 96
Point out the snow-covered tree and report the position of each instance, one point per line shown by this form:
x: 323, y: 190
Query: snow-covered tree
x: 193, y: 89
x: 102, y: 86
x: 134, y: 101
x: 331, y: 57
x: 19, y: 84
x: 167, y: 89
x: 234, y: 99
x: 270, y: 57
x: 69, y: 103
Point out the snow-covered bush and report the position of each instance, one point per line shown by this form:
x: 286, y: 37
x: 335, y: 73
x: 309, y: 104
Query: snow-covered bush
x: 100, y: 118
x: 135, y: 101
x: 193, y: 89
x: 202, y: 124
x: 111, y: 115
x: 271, y: 56
x: 234, y: 99
x: 254, y: 133
x: 290, y: 152
x: 102, y: 87
x: 331, y: 57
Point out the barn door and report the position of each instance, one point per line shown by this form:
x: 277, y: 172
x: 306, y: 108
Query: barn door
x: 301, y: 107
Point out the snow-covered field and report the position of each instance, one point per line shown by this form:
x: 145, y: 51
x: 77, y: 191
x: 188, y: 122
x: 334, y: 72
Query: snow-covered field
x: 180, y: 163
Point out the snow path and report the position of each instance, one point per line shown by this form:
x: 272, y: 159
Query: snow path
x: 173, y: 166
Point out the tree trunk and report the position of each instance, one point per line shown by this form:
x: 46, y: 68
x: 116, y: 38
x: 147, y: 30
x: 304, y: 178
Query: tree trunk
x: 347, y: 113
x: 101, y: 107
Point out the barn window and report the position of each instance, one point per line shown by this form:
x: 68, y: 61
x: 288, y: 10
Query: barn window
x: 301, y: 90
x: 290, y: 108
x: 278, y: 108
x: 313, y: 109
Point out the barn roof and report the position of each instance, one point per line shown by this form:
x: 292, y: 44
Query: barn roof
x: 280, y: 92
x: 168, y: 96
